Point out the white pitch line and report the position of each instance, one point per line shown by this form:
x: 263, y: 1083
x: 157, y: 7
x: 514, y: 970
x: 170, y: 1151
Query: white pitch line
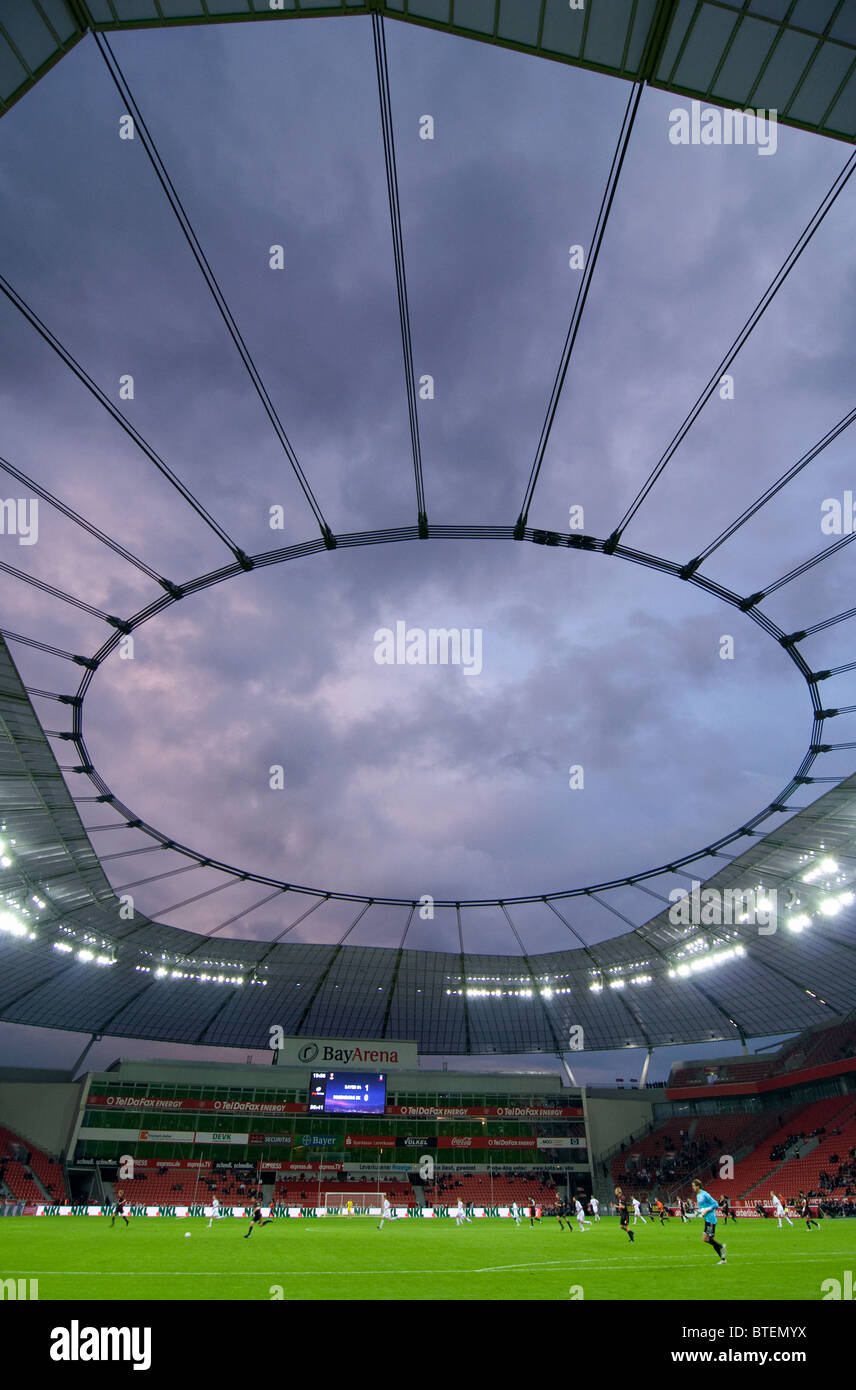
x: 248, y: 1273
x: 649, y: 1263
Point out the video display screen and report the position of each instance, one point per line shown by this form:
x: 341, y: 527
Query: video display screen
x: 348, y: 1092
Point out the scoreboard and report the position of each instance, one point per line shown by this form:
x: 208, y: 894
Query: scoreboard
x: 348, y: 1093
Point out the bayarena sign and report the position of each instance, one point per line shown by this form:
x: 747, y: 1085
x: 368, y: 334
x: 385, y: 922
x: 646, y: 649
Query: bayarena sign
x: 345, y: 1053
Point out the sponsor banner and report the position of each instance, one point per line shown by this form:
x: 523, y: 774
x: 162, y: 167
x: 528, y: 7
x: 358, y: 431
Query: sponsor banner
x: 120, y: 1136
x: 222, y: 1107
x: 270, y: 1138
x: 561, y: 1142
x: 320, y: 1141
x: 417, y: 1141
x: 480, y: 1141
x: 206, y: 1136
x: 194, y: 1163
x: 520, y: 1141
x: 414, y: 1112
x: 371, y: 1141
x: 370, y: 1174
x: 202, y: 1164
x: 286, y: 1169
x: 490, y: 1112
x: 323, y: 1054
x: 161, y: 1136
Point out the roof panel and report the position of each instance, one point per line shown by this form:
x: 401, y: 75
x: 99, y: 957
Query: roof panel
x: 824, y: 76
x: 702, y: 52
x: 843, y: 27
x: 611, y: 36
x: 519, y: 21
x: 742, y: 66
x: 12, y: 70
x: 789, y: 60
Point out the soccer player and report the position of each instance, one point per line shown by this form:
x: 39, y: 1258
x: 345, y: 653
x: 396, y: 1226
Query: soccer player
x: 779, y: 1210
x: 804, y: 1213
x: 637, y: 1212
x: 594, y: 1204
x: 119, y: 1209
x: 726, y: 1211
x: 458, y: 1212
x: 515, y: 1212
x: 561, y: 1213
x: 349, y: 1208
x: 534, y: 1212
x: 580, y: 1214
x: 659, y: 1210
x: 468, y: 1216
x: 257, y: 1219
x: 623, y: 1213
x: 387, y: 1213
x: 707, y: 1208
x: 216, y: 1213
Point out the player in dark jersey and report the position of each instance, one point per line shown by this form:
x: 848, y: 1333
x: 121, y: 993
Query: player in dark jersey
x: 120, y: 1209
x: 560, y: 1211
x: 257, y: 1219
x: 725, y: 1211
x: 804, y: 1212
x: 534, y: 1212
x: 623, y: 1213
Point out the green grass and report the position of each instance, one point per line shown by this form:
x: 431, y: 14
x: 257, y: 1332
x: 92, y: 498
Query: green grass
x: 335, y: 1258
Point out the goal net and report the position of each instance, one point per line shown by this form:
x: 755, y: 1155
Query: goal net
x: 362, y: 1203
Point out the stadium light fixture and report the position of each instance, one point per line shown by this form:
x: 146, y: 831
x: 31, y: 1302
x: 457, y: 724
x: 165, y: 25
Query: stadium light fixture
x: 799, y: 922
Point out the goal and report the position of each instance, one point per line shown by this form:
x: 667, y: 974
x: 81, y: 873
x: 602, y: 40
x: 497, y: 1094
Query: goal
x: 364, y: 1203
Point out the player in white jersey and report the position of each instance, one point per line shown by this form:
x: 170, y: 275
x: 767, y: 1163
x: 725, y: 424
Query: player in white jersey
x: 579, y: 1213
x: 387, y: 1213
x: 779, y: 1210
x: 595, y: 1208
x: 637, y: 1212
x: 216, y: 1214
x: 515, y: 1212
x: 458, y: 1213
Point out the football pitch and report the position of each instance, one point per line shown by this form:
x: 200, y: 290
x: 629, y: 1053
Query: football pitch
x: 336, y: 1258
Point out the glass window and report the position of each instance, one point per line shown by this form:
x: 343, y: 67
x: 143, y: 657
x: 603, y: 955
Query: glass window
x: 518, y: 21
x: 704, y: 48
x: 739, y: 72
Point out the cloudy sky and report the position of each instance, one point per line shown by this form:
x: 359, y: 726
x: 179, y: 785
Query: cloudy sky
x: 408, y: 780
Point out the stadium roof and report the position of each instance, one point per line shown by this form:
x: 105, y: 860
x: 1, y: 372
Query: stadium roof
x: 77, y: 956
x: 795, y: 56
x: 646, y: 987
